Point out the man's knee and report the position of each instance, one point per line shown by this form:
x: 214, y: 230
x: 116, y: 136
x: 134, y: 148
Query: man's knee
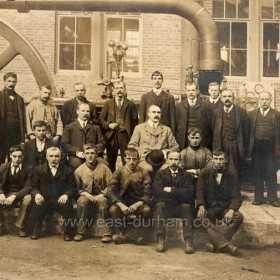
x: 146, y: 211
x: 146, y: 166
x: 238, y: 217
x: 26, y: 201
x: 160, y: 206
x: 113, y: 210
x: 83, y: 201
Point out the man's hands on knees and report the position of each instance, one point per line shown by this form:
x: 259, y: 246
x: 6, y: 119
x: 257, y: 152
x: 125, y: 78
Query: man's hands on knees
x: 100, y: 198
x: 89, y: 196
x: 228, y: 216
x: 10, y: 199
x: 132, y: 208
x: 2, y: 199
x: 167, y: 189
x: 39, y: 199
x: 201, y: 212
x: 123, y: 208
x: 63, y: 199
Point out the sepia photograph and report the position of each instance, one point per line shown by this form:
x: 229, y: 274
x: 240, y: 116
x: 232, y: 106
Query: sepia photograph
x: 139, y: 139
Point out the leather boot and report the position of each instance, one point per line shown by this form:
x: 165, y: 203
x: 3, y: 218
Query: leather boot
x: 160, y: 246
x: 189, y: 249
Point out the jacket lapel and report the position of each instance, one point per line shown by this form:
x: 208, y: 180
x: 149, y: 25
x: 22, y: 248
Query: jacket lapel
x: 155, y: 132
x: 237, y: 116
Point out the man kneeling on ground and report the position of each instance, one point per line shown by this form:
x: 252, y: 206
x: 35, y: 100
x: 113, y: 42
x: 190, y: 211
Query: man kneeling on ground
x: 129, y: 193
x: 174, y: 198
x: 92, y: 178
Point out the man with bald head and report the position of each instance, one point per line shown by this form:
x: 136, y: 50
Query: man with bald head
x: 152, y: 135
x: 79, y: 133
x: 264, y: 146
x: 69, y: 109
x: 230, y: 131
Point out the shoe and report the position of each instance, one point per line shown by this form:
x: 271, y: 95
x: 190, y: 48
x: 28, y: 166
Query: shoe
x: 257, y: 202
x: 119, y: 239
x: 67, y: 237
x: 78, y: 237
x: 140, y: 241
x: 274, y: 203
x: 22, y: 233
x: 107, y: 239
x: 189, y: 247
x: 233, y: 250
x: 160, y: 246
x: 35, y: 236
x: 210, y: 247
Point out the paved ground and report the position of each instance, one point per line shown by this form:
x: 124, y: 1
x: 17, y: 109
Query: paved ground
x: 52, y: 258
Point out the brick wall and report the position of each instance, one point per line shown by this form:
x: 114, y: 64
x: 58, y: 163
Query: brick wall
x: 161, y: 51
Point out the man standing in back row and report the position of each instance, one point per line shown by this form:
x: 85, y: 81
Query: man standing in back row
x: 157, y: 96
x: 12, y: 116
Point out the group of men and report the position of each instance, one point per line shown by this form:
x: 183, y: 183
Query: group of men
x: 156, y: 181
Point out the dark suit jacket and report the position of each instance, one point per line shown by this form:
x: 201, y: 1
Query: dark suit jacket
x: 24, y: 187
x: 74, y: 137
x: 252, y: 116
x: 123, y: 178
x: 108, y: 115
x: 182, y: 111
x: 207, y: 113
x: 30, y: 150
x: 167, y: 104
x: 21, y: 114
x: 40, y: 182
x: 181, y: 192
x: 241, y: 128
x: 206, y: 184
x: 69, y: 111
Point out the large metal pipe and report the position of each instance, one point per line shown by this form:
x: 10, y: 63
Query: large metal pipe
x: 188, y: 9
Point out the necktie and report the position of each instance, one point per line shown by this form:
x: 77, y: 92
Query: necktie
x: 84, y: 125
x: 16, y: 168
x: 119, y: 103
x: 227, y: 110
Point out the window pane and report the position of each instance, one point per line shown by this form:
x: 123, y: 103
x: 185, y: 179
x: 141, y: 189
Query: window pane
x: 67, y: 29
x: 267, y: 9
x: 218, y: 9
x: 243, y: 8
x: 83, y: 30
x: 66, y: 57
x: 83, y: 57
x: 230, y: 8
x: 238, y: 63
x: 270, y: 35
x: 114, y: 28
x: 224, y: 32
x: 270, y: 64
x: 131, y: 60
x: 239, y: 35
x: 226, y: 68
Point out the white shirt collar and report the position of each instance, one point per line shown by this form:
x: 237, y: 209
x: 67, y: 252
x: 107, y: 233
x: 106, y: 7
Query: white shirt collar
x: 229, y: 109
x: 20, y: 166
x: 174, y: 171
x: 152, y: 124
x: 82, y: 122
x: 214, y: 100
x: 264, y: 113
x: 192, y: 101
x: 117, y: 100
x: 157, y: 91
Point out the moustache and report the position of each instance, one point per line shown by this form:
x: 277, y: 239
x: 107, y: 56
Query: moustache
x: 156, y: 118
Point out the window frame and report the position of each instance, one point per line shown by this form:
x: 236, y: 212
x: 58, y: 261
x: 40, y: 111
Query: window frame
x: 237, y: 20
x: 74, y: 71
x: 124, y: 16
x: 263, y: 78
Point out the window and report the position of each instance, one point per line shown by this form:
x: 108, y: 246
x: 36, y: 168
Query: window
x: 232, y: 17
x: 126, y: 29
x: 74, y: 42
x: 231, y: 8
x: 270, y: 29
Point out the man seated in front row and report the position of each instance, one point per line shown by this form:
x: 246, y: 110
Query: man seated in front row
x: 92, y: 179
x: 35, y: 149
x: 129, y: 193
x: 53, y: 188
x: 152, y: 135
x: 195, y: 157
x: 219, y: 199
x: 173, y: 191
x: 14, y: 189
x: 79, y: 133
